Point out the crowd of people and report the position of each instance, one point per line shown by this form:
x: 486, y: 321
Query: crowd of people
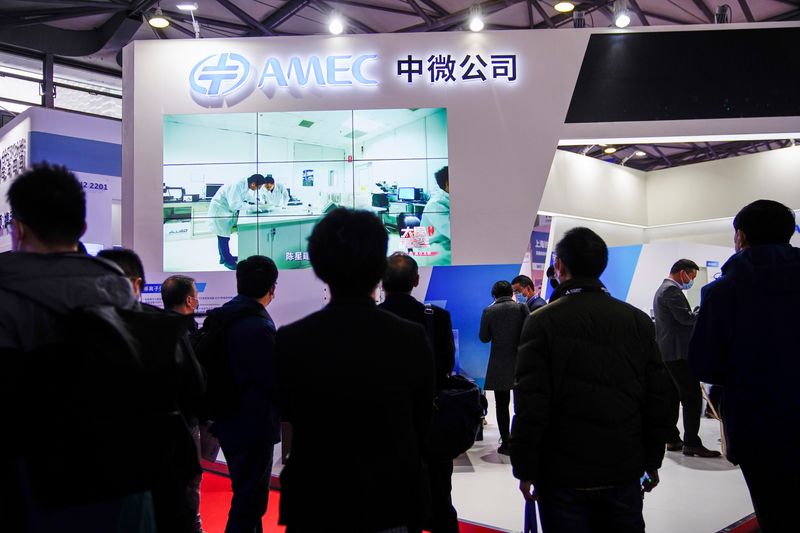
x: 93, y: 371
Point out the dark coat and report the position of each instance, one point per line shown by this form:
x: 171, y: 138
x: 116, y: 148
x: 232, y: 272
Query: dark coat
x: 501, y: 324
x: 355, y: 380
x: 535, y: 303
x: 746, y: 341
x: 444, y: 347
x: 591, y: 394
x: 674, y: 321
x: 251, y: 349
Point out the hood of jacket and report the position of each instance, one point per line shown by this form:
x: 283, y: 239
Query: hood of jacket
x: 771, y: 267
x: 61, y: 282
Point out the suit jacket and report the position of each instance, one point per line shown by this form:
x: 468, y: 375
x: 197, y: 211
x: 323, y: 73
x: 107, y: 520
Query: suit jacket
x: 501, y: 324
x: 674, y: 321
x: 535, y: 303
x: 444, y: 347
x: 359, y: 380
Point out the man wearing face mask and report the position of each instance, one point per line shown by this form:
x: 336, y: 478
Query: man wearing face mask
x: 674, y: 325
x: 525, y: 292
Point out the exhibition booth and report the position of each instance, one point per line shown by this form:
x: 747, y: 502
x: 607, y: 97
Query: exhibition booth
x: 367, y: 121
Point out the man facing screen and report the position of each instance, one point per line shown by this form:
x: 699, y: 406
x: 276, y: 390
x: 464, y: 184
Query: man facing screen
x: 437, y: 215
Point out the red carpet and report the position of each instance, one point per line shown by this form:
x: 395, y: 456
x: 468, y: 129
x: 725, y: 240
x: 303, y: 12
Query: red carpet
x: 216, y: 500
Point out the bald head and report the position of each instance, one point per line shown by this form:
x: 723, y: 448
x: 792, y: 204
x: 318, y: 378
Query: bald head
x: 402, y: 274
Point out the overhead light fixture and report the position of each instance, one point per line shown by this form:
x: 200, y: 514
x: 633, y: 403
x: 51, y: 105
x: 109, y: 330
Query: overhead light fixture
x: 564, y: 7
x: 187, y: 6
x: 723, y: 14
x: 336, y: 26
x: 622, y: 17
x: 157, y: 19
x: 609, y: 150
x: 578, y: 20
x: 640, y: 153
x: 476, y: 20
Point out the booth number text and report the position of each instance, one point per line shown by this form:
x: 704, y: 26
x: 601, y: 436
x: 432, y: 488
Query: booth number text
x: 443, y: 68
x: 93, y: 186
x: 12, y: 161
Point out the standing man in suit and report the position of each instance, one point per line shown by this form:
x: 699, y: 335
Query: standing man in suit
x: 501, y: 324
x: 525, y: 292
x: 400, y: 278
x: 674, y: 325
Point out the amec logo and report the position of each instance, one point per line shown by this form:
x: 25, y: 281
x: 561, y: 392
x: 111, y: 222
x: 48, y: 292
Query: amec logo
x: 219, y: 75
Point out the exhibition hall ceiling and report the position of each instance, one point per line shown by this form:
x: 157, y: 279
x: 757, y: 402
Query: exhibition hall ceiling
x: 94, y: 31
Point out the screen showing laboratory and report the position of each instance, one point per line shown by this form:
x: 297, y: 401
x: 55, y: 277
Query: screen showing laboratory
x: 242, y: 184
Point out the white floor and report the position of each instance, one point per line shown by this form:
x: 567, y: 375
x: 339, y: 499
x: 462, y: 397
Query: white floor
x: 695, y: 495
x: 198, y: 254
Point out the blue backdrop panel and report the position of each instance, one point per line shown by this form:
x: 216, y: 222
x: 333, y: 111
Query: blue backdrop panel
x: 78, y: 155
x: 622, y: 261
x: 465, y: 291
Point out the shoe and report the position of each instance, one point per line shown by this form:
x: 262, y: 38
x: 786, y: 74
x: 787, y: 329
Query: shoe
x: 700, y: 451
x: 502, y: 450
x: 676, y: 446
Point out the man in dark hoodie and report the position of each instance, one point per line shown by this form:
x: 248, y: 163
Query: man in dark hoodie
x: 746, y: 340
x: 42, y: 280
x: 249, y: 432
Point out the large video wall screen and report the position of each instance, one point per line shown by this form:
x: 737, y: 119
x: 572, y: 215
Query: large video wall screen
x: 392, y: 162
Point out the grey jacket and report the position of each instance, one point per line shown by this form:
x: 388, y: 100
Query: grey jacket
x: 501, y: 324
x: 674, y: 321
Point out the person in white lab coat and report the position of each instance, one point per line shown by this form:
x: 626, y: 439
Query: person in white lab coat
x: 274, y: 194
x: 224, y: 211
x: 436, y: 214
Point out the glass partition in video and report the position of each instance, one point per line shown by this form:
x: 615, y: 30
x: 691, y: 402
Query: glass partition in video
x: 241, y: 184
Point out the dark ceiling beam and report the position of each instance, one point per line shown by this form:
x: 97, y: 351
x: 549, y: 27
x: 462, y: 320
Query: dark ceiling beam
x: 140, y: 6
x: 586, y: 7
x: 487, y: 7
x: 376, y: 7
x: 529, y: 9
x: 538, y: 7
x: 701, y: 5
x: 748, y: 13
x: 790, y: 15
x: 52, y: 15
x: 185, y: 17
x: 661, y: 154
x: 349, y: 21
x: 666, y: 18
x: 639, y: 13
x: 424, y: 16
x: 436, y: 7
x: 185, y: 31
x: 245, y: 17
x: 284, y: 13
x: 789, y: 2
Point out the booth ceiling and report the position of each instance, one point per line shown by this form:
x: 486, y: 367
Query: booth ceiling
x: 94, y: 31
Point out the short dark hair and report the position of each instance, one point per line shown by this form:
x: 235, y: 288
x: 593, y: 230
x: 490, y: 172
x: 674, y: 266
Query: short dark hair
x: 269, y: 179
x: 258, y: 179
x: 523, y: 281
x: 256, y: 276
x: 442, y: 177
x: 50, y: 201
x: 401, y: 272
x: 175, y: 289
x: 125, y: 259
x: 347, y: 250
x: 551, y: 271
x: 683, y: 264
x: 502, y: 288
x: 583, y: 252
x: 765, y: 222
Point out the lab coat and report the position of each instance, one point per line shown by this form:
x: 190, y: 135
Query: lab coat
x: 277, y: 197
x: 437, y: 214
x: 226, y: 202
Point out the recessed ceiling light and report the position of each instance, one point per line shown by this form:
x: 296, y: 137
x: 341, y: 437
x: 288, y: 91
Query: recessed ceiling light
x: 609, y: 150
x: 157, y: 19
x: 187, y: 6
x: 640, y: 153
x: 564, y: 7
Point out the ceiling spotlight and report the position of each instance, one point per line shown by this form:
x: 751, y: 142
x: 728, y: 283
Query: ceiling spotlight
x: 564, y: 7
x: 640, y: 153
x: 336, y: 26
x: 187, y: 6
x: 622, y: 17
x: 157, y: 19
x: 723, y: 14
x: 609, y: 150
x: 476, y: 23
x: 578, y: 19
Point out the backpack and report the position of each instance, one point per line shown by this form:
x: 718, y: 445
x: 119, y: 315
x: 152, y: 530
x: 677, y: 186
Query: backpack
x: 96, y: 412
x: 210, y: 345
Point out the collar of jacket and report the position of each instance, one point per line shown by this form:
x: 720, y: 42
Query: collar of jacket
x: 399, y: 297
x: 582, y: 284
x: 366, y: 301
x: 504, y: 299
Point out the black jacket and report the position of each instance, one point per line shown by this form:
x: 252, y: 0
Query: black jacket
x: 251, y: 351
x: 444, y: 347
x: 355, y: 380
x: 674, y: 321
x: 591, y: 393
x: 746, y: 341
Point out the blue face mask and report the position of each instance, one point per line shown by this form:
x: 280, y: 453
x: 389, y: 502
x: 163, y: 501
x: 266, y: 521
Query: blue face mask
x: 688, y: 285
x: 519, y: 297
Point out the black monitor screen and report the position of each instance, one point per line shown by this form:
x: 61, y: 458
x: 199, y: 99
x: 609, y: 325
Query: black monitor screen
x: 211, y: 189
